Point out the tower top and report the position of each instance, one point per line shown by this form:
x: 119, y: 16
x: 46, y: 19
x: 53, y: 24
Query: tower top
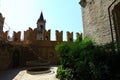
x: 41, y: 18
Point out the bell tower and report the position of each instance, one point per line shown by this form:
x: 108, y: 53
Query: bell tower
x: 41, y: 27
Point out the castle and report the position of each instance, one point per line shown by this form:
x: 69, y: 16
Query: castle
x: 101, y: 20
x: 38, y: 43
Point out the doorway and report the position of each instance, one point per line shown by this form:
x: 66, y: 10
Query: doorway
x: 16, y: 55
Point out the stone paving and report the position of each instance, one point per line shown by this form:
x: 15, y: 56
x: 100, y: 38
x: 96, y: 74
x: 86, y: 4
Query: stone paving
x: 23, y: 75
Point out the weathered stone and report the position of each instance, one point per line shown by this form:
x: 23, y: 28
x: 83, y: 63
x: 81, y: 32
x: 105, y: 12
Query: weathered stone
x: 96, y: 20
x: 36, y: 46
x: 16, y: 37
x: 1, y: 26
x: 69, y: 36
x: 59, y: 36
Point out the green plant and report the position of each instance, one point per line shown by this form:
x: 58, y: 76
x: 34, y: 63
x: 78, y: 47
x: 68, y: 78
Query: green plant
x: 74, y: 57
x: 83, y: 60
x: 64, y: 74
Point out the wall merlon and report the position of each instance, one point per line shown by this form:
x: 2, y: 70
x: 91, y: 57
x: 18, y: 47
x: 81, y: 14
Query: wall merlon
x: 5, y: 35
x: 69, y: 36
x: 59, y: 36
x: 46, y: 34
x: 16, y: 36
x: 79, y: 35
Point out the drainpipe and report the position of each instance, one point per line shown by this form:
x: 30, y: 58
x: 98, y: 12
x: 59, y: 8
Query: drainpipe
x: 111, y: 25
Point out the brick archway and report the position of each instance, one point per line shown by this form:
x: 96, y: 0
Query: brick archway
x: 116, y: 21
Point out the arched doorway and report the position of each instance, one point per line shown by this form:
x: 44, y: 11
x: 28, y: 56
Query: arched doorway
x: 16, y: 55
x: 116, y: 21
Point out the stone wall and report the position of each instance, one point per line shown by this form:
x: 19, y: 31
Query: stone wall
x: 5, y: 55
x: 46, y: 35
x: 70, y: 36
x: 1, y: 25
x: 59, y: 36
x: 16, y: 37
x: 30, y: 35
x: 31, y: 51
x: 5, y: 36
x: 46, y: 50
x: 79, y: 35
x: 96, y: 20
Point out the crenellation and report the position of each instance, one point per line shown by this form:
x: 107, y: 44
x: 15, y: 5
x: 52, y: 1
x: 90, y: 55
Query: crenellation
x: 47, y: 35
x: 30, y: 36
x: 26, y: 37
x: 37, y: 46
x: 16, y: 37
x: 59, y: 36
x: 5, y: 36
x: 69, y: 36
x: 79, y: 35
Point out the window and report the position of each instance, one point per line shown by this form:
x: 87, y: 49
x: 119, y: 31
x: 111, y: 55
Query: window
x: 116, y: 20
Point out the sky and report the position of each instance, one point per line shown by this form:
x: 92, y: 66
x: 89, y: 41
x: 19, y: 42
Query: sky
x: 62, y: 15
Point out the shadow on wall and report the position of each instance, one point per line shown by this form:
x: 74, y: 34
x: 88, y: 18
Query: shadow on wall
x: 15, y: 59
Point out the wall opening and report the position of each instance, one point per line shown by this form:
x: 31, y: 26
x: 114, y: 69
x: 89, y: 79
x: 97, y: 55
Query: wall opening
x: 116, y: 20
x: 16, y: 61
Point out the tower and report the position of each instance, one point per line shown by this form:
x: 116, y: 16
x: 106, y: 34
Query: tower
x: 40, y: 27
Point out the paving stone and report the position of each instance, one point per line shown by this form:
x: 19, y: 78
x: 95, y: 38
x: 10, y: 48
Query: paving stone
x: 23, y: 75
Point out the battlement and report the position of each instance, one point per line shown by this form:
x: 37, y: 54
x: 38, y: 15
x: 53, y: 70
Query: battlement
x: 37, y: 34
x: 16, y: 36
x: 30, y: 36
x: 46, y: 35
x: 59, y: 36
x: 36, y: 44
x: 69, y: 36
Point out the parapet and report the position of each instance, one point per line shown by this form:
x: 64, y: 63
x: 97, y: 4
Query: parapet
x: 5, y: 36
x: 59, y: 36
x: 46, y: 34
x: 30, y: 36
x: 16, y: 36
x: 69, y: 36
x: 79, y: 35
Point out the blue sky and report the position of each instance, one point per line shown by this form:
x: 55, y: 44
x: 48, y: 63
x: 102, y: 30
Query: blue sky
x: 60, y: 15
